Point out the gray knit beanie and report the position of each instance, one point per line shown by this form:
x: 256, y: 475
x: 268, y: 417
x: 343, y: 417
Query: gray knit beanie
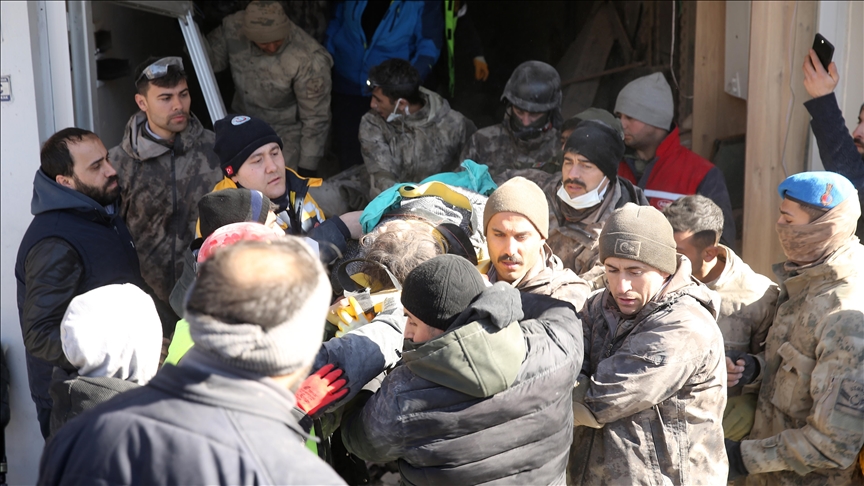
x: 649, y: 100
x: 519, y: 195
x: 640, y: 233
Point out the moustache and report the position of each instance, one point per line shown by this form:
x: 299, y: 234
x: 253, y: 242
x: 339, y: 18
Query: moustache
x: 111, y: 180
x: 576, y: 182
x: 178, y: 113
x: 510, y: 259
x: 859, y: 141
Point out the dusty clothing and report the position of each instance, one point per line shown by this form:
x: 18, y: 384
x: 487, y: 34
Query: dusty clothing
x: 289, y: 89
x: 549, y: 277
x: 499, y: 149
x: 497, y: 421
x: 161, y: 184
x: 414, y: 146
x: 809, y: 423
x: 660, y: 402
x: 192, y: 424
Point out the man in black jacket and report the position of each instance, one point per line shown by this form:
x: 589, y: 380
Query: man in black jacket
x: 226, y: 413
x: 75, y: 243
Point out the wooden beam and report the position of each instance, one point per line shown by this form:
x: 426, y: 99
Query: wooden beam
x: 780, y: 34
x: 685, y: 55
x: 716, y: 114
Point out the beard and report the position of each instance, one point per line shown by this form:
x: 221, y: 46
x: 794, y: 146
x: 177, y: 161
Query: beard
x: 102, y: 195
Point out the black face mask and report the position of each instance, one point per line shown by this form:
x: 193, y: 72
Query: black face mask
x: 531, y: 131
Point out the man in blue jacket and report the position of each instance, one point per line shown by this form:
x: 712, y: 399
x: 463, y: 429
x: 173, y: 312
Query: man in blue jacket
x: 76, y: 242
x: 363, y: 34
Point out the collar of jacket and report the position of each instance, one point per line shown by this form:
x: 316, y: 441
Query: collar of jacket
x: 434, y: 108
x: 482, y: 351
x: 840, y: 265
x: 592, y: 215
x: 141, y: 147
x: 203, y: 380
x: 528, y: 146
x: 48, y: 195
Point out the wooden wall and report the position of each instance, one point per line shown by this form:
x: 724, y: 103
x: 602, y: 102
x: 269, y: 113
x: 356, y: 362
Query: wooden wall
x: 781, y: 33
x: 716, y: 114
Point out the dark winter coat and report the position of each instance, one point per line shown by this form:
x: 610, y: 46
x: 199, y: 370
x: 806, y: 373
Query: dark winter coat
x: 73, y: 245
x: 197, y: 423
x: 487, y: 402
x: 73, y: 395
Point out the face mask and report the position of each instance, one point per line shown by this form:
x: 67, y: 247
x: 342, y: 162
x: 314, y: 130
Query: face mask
x: 394, y: 115
x: 587, y: 200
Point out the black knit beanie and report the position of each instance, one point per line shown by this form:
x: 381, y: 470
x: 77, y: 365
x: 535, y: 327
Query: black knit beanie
x: 237, y: 136
x: 599, y: 143
x: 640, y: 233
x: 440, y: 289
x: 227, y: 206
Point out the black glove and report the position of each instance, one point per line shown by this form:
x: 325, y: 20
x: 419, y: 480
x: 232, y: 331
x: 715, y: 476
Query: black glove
x: 307, y: 172
x: 736, y: 462
x: 751, y: 366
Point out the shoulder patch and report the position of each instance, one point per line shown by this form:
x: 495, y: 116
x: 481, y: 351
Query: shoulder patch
x: 850, y: 400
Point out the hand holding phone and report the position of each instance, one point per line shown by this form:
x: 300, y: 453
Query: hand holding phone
x: 820, y: 74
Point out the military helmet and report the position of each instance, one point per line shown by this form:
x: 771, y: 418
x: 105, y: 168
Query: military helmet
x: 535, y: 87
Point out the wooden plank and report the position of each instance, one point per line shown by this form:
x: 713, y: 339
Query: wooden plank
x: 684, y: 59
x: 716, y: 114
x: 780, y: 34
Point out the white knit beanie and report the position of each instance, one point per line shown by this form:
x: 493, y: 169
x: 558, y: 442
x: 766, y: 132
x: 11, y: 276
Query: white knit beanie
x: 649, y: 100
x: 113, y: 331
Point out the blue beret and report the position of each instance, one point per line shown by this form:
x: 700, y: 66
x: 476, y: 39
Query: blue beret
x: 818, y: 189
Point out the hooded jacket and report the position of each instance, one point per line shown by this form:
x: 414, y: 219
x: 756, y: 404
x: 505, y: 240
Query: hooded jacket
x: 486, y: 402
x: 161, y: 185
x: 198, y: 423
x: 413, y: 147
x: 809, y: 424
x: 500, y: 149
x: 657, y: 387
x: 73, y: 245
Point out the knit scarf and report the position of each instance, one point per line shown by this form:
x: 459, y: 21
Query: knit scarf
x: 815, y: 241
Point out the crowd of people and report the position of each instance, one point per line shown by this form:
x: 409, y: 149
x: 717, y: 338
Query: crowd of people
x: 541, y: 301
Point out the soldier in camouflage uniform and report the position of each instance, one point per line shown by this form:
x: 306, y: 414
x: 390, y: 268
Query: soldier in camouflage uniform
x: 809, y: 425
x: 652, y: 389
x: 281, y: 75
x: 516, y: 224
x: 410, y: 133
x: 528, y: 137
x: 165, y: 163
x: 747, y: 300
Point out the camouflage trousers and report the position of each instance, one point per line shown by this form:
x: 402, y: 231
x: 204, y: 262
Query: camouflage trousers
x: 346, y: 191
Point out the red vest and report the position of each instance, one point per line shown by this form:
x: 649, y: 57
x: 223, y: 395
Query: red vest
x: 677, y: 173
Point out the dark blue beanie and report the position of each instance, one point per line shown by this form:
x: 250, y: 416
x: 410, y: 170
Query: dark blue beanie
x: 237, y: 136
x: 821, y: 190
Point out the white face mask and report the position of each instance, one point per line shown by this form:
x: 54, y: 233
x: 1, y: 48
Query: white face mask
x: 587, y: 200
x: 394, y: 115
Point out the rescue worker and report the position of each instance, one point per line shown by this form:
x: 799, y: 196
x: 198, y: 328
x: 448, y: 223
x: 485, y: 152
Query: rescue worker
x: 659, y: 164
x: 528, y: 135
x: 164, y: 164
x: 516, y: 225
x: 410, y: 133
x: 281, y: 75
x: 250, y: 154
x: 809, y: 426
x: 652, y: 389
x: 499, y: 419
x: 747, y: 300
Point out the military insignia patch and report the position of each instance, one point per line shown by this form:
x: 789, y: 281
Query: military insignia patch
x: 239, y: 120
x: 627, y: 248
x: 826, y: 198
x: 850, y: 400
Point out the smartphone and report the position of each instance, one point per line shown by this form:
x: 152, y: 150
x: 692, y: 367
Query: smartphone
x: 824, y: 50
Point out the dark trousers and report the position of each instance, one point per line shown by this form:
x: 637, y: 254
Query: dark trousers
x: 347, y: 112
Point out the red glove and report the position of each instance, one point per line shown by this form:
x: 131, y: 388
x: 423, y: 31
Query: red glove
x: 321, y: 389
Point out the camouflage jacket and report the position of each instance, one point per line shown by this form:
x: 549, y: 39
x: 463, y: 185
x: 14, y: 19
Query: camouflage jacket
x: 657, y: 387
x: 160, y: 188
x: 809, y: 423
x: 414, y: 146
x: 290, y: 89
x: 748, y: 301
x: 549, y: 277
x: 499, y: 149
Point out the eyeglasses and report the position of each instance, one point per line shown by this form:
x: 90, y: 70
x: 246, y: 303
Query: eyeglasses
x: 160, y: 68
